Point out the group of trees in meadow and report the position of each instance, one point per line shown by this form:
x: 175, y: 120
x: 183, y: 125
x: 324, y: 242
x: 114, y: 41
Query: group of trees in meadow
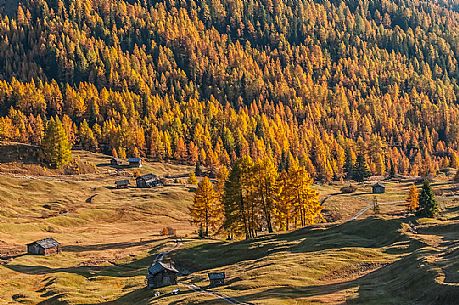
x: 424, y: 203
x: 255, y: 196
x: 336, y: 84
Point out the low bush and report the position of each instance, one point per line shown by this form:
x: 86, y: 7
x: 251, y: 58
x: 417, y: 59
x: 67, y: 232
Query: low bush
x: 348, y: 189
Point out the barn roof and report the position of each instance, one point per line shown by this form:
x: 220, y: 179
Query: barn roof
x: 216, y: 275
x: 158, y: 267
x: 46, y: 243
x: 122, y: 182
x: 148, y: 177
x: 134, y: 160
x: 379, y: 184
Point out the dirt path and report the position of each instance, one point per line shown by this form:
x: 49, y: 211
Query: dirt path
x: 160, y: 256
x: 218, y: 295
x: 369, y: 206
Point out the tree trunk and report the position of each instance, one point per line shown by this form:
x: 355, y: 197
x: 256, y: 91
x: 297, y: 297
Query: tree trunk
x: 244, y: 216
x: 207, y: 222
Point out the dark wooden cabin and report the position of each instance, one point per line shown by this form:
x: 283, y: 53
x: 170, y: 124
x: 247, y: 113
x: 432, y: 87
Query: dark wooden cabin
x: 161, y: 274
x: 149, y: 180
x: 116, y: 162
x: 135, y: 162
x: 120, y: 184
x: 45, y: 246
x: 216, y: 278
x: 379, y: 188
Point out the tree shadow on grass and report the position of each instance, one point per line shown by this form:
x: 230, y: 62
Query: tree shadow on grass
x: 144, y: 296
x: 454, y: 209
x: 367, y: 233
x: 401, y: 282
x: 109, y: 246
x: 131, y: 269
x: 54, y: 300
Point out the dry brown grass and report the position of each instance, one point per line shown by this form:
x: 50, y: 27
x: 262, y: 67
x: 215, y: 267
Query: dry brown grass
x: 99, y: 227
x: 110, y: 237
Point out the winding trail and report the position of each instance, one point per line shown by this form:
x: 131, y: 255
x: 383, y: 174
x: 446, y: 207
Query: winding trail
x: 369, y: 206
x: 218, y: 295
x: 160, y: 256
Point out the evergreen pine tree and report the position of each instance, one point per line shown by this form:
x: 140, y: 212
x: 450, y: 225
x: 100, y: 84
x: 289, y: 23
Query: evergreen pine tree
x: 348, y: 165
x: 360, y: 170
x: 427, y: 204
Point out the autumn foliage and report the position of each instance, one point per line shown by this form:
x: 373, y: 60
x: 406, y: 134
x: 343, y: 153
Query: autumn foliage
x: 258, y: 197
x: 413, y: 199
x: 206, y: 210
x: 214, y: 81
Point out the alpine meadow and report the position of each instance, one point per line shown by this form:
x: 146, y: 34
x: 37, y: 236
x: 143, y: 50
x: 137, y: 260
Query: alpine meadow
x: 229, y: 152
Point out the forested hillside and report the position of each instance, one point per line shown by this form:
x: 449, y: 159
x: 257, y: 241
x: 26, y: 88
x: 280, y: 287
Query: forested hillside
x: 210, y: 81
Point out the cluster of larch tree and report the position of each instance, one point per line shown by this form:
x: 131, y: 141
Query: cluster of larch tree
x: 256, y: 196
x: 422, y: 203
x: 212, y: 81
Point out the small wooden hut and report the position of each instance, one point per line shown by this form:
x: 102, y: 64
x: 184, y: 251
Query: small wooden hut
x: 45, y: 246
x: 161, y: 274
x: 149, y: 180
x: 116, y: 162
x: 216, y: 278
x: 120, y: 184
x: 135, y: 162
x: 378, y: 188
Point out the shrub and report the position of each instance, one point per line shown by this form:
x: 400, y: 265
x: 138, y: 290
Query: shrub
x: 348, y: 189
x: 168, y: 231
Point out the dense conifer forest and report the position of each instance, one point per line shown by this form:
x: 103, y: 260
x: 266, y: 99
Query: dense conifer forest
x: 324, y: 83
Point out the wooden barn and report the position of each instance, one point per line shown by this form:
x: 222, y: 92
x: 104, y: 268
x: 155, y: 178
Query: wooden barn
x: 116, y: 162
x: 149, y: 180
x: 45, y: 246
x: 120, y: 184
x: 161, y: 274
x: 216, y: 278
x: 135, y: 162
x: 378, y: 188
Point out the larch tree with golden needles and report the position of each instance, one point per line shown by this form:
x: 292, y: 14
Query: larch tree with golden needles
x: 225, y: 98
x: 241, y: 211
x: 192, y: 179
x: 266, y: 189
x: 56, y: 147
x: 282, y: 206
x: 206, y: 210
x: 304, y: 199
x: 413, y: 199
